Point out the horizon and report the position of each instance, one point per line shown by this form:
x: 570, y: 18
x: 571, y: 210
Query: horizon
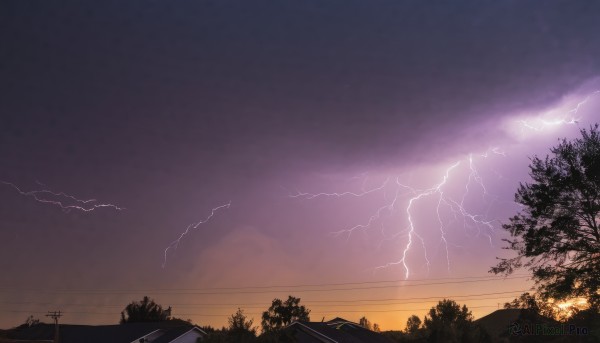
x: 207, y: 152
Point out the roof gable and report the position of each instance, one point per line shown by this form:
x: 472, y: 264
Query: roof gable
x: 498, y: 322
x: 175, y: 334
x: 339, y: 330
x: 121, y: 333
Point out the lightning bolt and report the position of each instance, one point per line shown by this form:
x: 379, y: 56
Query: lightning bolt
x: 63, y: 200
x: 412, y: 232
x: 310, y: 196
x: 373, y: 218
x: 411, y: 228
x: 457, y: 208
x: 192, y: 226
x: 568, y: 118
x: 474, y: 224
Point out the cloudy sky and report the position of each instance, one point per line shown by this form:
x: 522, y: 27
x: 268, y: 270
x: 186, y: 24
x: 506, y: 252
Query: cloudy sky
x: 355, y: 142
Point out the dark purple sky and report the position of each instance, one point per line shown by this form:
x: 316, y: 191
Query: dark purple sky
x: 170, y: 109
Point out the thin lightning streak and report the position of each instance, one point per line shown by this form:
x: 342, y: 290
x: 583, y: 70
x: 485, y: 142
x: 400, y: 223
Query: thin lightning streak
x: 568, y: 118
x: 192, y: 226
x: 544, y: 123
x: 443, y: 233
x: 495, y: 150
x: 473, y: 175
x: 310, y: 196
x: 81, y: 205
x: 373, y: 218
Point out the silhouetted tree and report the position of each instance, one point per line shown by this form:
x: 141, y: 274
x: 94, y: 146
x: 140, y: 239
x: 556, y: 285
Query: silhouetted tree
x: 376, y: 327
x: 208, y: 328
x: 144, y: 311
x: 282, y: 313
x: 215, y: 335
x: 533, y: 303
x: 556, y: 235
x: 240, y: 328
x: 29, y: 322
x: 448, y: 322
x: 413, y: 324
x: 365, y: 323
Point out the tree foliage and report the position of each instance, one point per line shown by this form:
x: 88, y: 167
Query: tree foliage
x: 533, y: 302
x: 413, y: 323
x: 365, y: 323
x: 556, y: 235
x: 144, y: 311
x: 282, y: 313
x: 29, y: 322
x: 449, y: 322
x: 376, y: 327
x: 240, y: 328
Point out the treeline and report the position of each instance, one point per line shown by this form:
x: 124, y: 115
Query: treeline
x: 240, y: 328
x: 445, y: 322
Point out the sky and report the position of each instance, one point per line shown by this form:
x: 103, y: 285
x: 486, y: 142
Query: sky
x: 335, y: 151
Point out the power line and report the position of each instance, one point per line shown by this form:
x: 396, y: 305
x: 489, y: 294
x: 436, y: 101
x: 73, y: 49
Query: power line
x: 333, y: 309
x: 242, y: 290
x: 55, y: 315
x: 287, y: 286
x: 322, y: 303
x: 255, y: 314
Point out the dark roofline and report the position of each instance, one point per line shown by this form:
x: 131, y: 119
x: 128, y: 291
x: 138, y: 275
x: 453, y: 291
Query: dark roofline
x: 148, y: 334
x: 315, y: 331
x: 195, y: 327
x: 519, y: 311
x: 340, y: 320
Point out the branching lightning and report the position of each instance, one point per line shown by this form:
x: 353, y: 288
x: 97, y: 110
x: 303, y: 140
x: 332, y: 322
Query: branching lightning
x: 309, y: 196
x: 551, y: 119
x: 408, y: 197
x: 192, y: 226
x: 63, y: 200
x: 411, y: 231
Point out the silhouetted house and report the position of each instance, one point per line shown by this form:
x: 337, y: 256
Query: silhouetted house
x: 518, y: 325
x: 160, y: 332
x: 337, y: 330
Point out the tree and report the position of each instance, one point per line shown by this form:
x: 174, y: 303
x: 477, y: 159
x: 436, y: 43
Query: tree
x: 214, y: 335
x: 29, y: 322
x: 448, y: 322
x: 144, y: 311
x: 208, y: 329
x: 365, y: 323
x: 282, y: 313
x: 413, y: 324
x: 376, y: 327
x: 556, y: 235
x: 240, y: 328
x: 533, y: 303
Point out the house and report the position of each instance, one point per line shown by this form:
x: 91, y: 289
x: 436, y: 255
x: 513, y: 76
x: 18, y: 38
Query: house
x: 514, y: 325
x: 337, y: 330
x: 159, y: 332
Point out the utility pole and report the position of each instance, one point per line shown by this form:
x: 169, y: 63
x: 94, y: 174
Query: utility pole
x: 55, y: 315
